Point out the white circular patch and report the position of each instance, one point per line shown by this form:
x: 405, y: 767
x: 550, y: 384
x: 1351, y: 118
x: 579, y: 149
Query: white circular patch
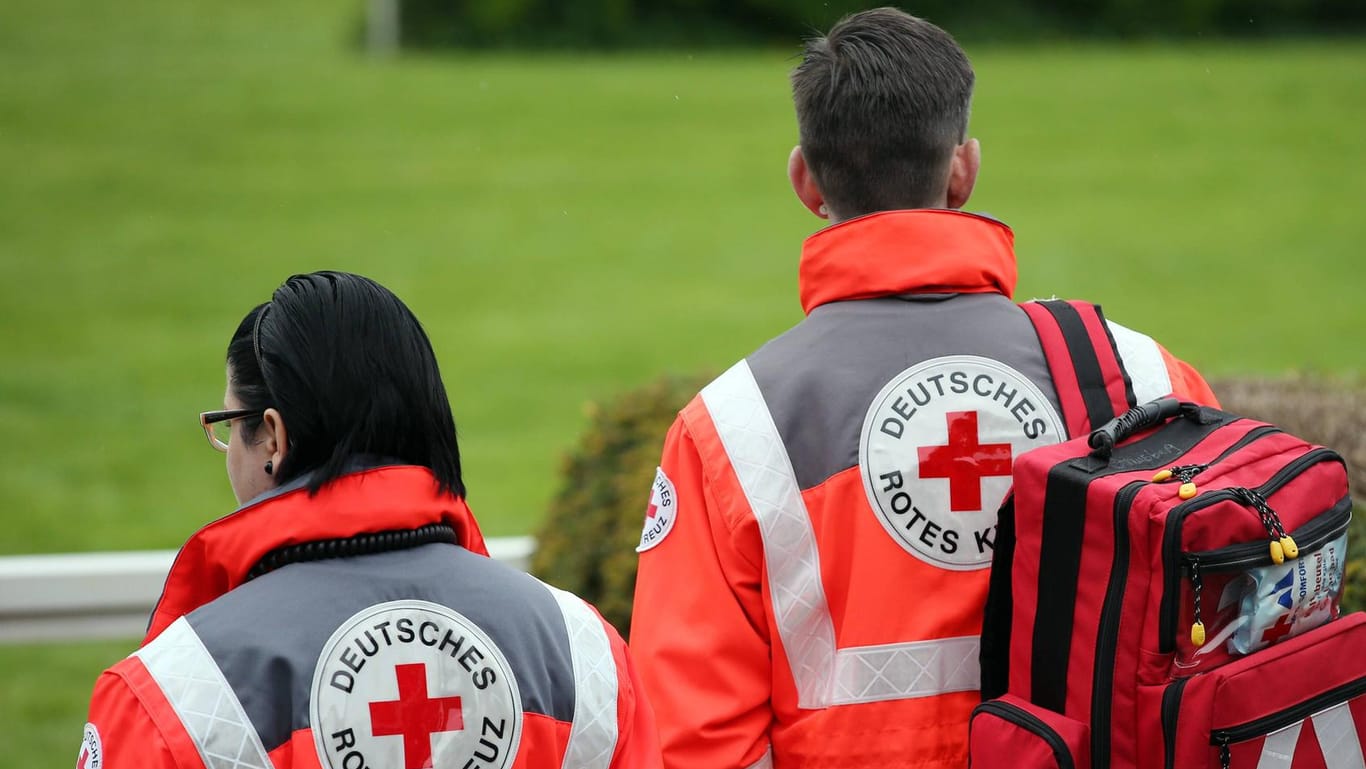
x: 936, y: 453
x: 414, y: 684
x: 92, y: 751
x: 660, y: 514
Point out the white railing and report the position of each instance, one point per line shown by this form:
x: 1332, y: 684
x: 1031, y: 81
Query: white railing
x: 84, y: 596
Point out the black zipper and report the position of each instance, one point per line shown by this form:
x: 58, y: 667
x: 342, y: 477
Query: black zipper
x: 1108, y: 636
x: 1317, y: 532
x: 1194, y: 470
x: 1171, y: 538
x: 1034, y: 724
x: 1222, y: 738
x: 1324, y: 528
x: 1171, y: 708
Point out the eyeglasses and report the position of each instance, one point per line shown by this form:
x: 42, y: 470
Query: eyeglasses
x: 218, y: 425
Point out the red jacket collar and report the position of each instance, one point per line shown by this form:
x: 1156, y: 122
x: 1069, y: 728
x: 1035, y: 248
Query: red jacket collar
x: 217, y: 558
x: 935, y: 251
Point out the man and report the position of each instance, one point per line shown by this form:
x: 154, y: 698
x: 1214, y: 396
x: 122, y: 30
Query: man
x: 814, y: 560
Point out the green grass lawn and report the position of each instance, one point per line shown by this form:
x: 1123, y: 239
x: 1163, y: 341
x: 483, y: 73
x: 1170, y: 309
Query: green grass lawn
x: 567, y: 227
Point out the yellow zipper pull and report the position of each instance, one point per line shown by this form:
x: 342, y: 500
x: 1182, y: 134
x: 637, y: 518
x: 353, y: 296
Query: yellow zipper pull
x: 1197, y: 588
x: 1282, y: 544
x: 1289, y: 548
x: 1198, y: 634
x: 1183, y: 473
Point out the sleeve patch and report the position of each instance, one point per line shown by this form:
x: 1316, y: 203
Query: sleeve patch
x: 660, y: 513
x: 92, y: 752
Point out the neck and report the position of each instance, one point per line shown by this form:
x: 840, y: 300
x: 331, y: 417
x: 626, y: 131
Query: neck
x: 940, y: 203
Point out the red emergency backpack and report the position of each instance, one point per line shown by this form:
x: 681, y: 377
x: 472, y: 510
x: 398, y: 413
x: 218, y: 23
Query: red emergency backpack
x: 1164, y: 590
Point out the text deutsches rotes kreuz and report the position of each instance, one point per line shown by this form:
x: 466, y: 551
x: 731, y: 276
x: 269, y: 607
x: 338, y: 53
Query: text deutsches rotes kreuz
x: 936, y: 453
x: 411, y: 684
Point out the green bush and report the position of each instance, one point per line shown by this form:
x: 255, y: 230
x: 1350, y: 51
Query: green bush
x: 587, y: 540
x: 694, y: 23
x: 1322, y: 412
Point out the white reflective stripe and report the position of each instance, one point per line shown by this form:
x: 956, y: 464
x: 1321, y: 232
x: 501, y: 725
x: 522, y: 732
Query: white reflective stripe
x: 593, y: 735
x: 202, y: 698
x: 902, y: 671
x: 760, y: 461
x: 1143, y: 362
x: 765, y: 761
x: 1338, y: 737
x: 1279, y: 749
x: 824, y: 676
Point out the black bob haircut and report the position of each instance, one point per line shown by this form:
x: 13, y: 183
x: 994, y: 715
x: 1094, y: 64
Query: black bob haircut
x: 351, y: 372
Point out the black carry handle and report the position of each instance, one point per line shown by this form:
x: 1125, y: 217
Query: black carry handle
x: 1150, y: 414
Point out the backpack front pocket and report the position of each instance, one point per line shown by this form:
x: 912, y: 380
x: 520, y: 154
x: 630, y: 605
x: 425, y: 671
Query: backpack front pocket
x: 1240, y: 600
x: 1303, y: 699
x: 1009, y: 732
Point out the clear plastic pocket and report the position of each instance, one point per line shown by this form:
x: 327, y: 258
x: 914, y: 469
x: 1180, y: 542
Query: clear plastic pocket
x: 1232, y: 607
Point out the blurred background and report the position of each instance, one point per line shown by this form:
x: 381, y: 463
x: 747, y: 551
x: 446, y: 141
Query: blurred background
x: 576, y: 197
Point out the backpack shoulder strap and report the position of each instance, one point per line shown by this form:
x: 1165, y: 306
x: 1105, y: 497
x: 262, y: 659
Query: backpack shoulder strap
x: 1092, y: 388
x: 1089, y: 376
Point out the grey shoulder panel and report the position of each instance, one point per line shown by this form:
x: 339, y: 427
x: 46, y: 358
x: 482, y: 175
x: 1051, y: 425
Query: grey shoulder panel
x: 267, y: 635
x: 820, y: 377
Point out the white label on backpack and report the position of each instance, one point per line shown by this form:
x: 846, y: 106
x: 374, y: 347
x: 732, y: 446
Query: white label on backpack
x: 937, y: 449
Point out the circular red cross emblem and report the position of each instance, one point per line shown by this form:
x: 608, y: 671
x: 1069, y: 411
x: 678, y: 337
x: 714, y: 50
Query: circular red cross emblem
x: 936, y: 451
x: 414, y: 684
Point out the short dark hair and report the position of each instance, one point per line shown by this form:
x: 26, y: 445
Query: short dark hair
x: 882, y: 101
x: 352, y: 373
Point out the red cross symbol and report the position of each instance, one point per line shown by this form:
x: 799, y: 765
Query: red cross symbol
x: 415, y: 716
x: 651, y: 508
x: 85, y: 756
x: 1277, y: 631
x: 964, y: 461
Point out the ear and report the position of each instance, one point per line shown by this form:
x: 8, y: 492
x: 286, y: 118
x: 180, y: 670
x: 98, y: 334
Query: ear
x: 967, y: 159
x: 275, y: 435
x: 804, y: 184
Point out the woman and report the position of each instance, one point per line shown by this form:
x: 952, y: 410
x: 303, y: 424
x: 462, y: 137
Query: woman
x: 346, y: 615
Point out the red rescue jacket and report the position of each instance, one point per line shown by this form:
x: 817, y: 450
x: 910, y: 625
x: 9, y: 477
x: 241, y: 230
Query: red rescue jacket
x: 814, y: 558
x: 433, y: 655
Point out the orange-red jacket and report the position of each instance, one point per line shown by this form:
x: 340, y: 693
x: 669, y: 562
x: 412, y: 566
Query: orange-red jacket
x: 432, y: 655
x: 814, y: 559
